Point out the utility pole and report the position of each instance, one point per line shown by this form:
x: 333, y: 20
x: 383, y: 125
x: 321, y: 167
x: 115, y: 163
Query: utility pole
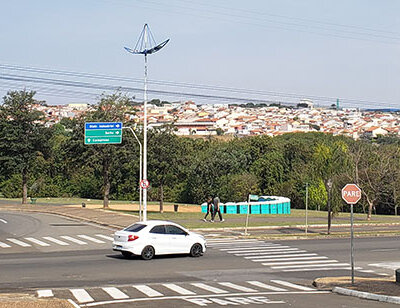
x: 306, y: 208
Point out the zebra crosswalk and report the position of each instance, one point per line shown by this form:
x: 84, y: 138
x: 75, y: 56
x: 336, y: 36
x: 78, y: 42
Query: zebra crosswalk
x: 276, y: 256
x: 184, y: 290
x: 55, y: 241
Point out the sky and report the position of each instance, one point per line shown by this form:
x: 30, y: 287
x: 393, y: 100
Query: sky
x: 221, y: 50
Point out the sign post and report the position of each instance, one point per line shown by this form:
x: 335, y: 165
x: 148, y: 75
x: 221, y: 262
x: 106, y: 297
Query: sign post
x: 251, y: 198
x: 351, y: 193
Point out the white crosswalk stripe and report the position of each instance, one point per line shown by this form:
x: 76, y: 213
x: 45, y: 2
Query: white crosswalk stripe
x: 147, y: 290
x: 209, y: 288
x: 283, y: 250
x: 54, y: 240
x: 262, y: 254
x: 18, y: 242
x: 74, y: 240
x: 236, y: 287
x: 299, y: 263
x: 81, y: 295
x: 92, y: 239
x: 309, y: 265
x: 105, y: 237
x: 250, y: 247
x: 254, y: 258
x: 266, y: 249
x: 36, y: 241
x: 115, y: 293
x: 266, y: 286
x: 292, y: 285
x: 4, y: 245
x: 178, y: 289
x: 302, y: 269
x: 45, y: 293
x: 289, y: 259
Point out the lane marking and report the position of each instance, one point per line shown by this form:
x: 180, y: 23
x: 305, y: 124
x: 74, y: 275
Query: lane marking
x: 265, y: 286
x: 309, y: 265
x: 81, y: 295
x: 209, y: 288
x: 262, y: 254
x: 105, y: 237
x: 73, y: 303
x: 178, y: 289
x: 285, y: 255
x: 18, y: 242
x: 147, y: 290
x: 300, y: 263
x: 385, y: 249
x: 45, y: 293
x: 95, y: 240
x: 290, y: 259
x: 54, y: 240
x: 3, y: 221
x: 236, y: 287
x: 184, y: 297
x: 115, y: 293
x: 292, y: 285
x: 4, y: 245
x: 74, y: 240
x: 38, y: 242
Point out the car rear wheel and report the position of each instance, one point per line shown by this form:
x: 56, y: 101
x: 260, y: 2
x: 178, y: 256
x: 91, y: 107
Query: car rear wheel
x: 126, y: 254
x: 148, y: 253
x: 196, y: 250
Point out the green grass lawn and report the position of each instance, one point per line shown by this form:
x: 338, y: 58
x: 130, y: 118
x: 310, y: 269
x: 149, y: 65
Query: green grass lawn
x: 297, y: 217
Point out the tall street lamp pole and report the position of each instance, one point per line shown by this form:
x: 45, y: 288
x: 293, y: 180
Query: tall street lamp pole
x: 145, y: 45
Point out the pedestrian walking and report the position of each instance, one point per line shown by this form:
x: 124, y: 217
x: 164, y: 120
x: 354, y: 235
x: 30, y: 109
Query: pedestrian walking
x: 217, y: 209
x: 210, y: 206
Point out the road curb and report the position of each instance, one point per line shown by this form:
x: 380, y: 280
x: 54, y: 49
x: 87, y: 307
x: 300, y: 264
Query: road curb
x: 366, y: 295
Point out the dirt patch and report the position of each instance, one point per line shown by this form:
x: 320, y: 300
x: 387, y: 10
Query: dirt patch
x: 382, y: 286
x: 29, y: 301
x: 182, y: 208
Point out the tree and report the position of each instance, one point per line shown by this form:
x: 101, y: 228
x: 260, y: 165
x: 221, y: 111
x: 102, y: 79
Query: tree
x: 23, y: 135
x: 330, y: 159
x: 100, y: 158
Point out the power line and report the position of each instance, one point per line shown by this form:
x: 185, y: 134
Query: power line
x: 272, y: 96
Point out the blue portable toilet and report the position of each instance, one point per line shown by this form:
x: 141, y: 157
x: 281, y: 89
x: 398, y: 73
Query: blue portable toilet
x: 274, y: 208
x: 265, y: 208
x: 255, y: 208
x: 204, y: 207
x: 231, y: 208
x: 280, y: 208
x: 243, y: 207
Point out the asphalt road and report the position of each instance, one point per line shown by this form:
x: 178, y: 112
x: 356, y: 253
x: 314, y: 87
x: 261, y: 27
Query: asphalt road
x: 232, y: 272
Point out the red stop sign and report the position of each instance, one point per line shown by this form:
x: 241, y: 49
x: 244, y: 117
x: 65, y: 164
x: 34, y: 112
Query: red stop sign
x: 351, y: 193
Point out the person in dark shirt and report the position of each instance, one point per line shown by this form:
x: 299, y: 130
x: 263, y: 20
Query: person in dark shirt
x: 216, y: 203
x: 209, y: 207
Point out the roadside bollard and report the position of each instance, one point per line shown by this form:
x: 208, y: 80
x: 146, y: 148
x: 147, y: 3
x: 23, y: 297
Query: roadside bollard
x: 176, y: 208
x: 398, y: 276
x: 83, y: 204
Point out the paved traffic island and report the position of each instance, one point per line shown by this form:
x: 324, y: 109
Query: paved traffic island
x: 379, y: 289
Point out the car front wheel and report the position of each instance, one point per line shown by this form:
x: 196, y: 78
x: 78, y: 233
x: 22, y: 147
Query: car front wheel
x: 196, y: 250
x: 148, y: 253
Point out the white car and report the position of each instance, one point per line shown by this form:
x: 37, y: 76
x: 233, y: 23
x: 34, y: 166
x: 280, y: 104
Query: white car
x: 157, y: 237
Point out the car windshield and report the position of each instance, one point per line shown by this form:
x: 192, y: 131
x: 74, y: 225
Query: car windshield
x: 135, y: 228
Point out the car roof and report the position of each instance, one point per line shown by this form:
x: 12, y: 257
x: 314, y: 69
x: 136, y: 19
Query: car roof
x: 157, y: 222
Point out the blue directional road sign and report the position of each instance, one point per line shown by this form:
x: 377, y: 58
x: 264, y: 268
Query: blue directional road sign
x: 103, y: 132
